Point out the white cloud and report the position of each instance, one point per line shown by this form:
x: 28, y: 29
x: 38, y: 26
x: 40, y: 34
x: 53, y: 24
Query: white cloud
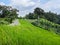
x: 1, y: 3
x: 51, y: 5
x: 24, y: 3
x: 26, y: 6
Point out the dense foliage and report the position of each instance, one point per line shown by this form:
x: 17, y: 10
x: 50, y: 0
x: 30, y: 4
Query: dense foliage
x: 40, y: 13
x: 8, y: 13
x: 45, y: 24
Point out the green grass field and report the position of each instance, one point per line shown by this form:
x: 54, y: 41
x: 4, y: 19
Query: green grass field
x: 27, y: 34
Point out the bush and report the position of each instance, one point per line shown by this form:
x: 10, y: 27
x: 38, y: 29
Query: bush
x: 47, y: 25
x: 9, y: 20
x: 3, y: 22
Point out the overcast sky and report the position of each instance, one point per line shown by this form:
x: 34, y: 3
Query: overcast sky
x: 26, y: 6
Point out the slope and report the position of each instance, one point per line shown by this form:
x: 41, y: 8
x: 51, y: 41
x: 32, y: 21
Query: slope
x: 26, y: 34
x: 48, y: 25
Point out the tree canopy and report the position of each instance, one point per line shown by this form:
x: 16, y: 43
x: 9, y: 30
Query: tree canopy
x: 8, y: 12
x: 38, y: 12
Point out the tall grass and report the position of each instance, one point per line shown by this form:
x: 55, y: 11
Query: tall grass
x: 26, y: 34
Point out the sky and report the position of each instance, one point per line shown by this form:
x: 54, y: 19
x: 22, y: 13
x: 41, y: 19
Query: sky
x: 26, y: 6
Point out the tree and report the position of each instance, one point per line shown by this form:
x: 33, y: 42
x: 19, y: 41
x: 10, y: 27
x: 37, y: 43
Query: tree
x: 51, y: 16
x: 13, y: 14
x: 8, y: 12
x: 30, y: 16
x: 38, y: 12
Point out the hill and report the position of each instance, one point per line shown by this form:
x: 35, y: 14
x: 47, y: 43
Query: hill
x: 27, y: 34
x: 47, y: 25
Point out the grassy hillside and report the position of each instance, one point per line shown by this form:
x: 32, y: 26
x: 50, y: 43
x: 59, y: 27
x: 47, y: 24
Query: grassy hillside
x: 26, y: 34
x: 45, y: 24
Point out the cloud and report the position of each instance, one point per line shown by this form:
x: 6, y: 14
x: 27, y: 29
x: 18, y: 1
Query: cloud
x: 1, y: 3
x: 24, y: 3
x: 26, y: 6
x: 52, y: 5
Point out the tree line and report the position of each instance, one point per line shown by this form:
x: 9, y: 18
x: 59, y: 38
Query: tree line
x: 40, y: 13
